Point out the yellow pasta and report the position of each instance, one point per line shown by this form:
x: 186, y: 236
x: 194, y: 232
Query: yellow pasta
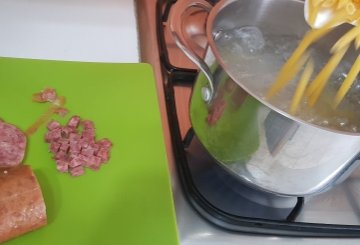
x: 334, y: 61
x: 316, y: 3
x: 299, y: 92
x: 338, y: 17
x: 346, y: 11
x: 350, y: 8
x: 357, y: 3
x: 313, y: 11
x: 312, y: 36
x: 328, y: 3
x: 356, y: 17
x: 346, y: 39
x: 325, y: 72
x: 352, y: 17
x: 342, y: 4
x: 287, y: 76
x: 357, y: 42
x: 346, y: 85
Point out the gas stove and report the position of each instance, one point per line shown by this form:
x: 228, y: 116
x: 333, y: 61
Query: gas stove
x: 226, y: 205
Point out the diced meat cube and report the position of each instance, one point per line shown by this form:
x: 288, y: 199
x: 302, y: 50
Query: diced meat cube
x: 46, y: 95
x: 64, y: 147
x: 63, y: 141
x: 85, y: 160
x: 74, y: 122
x: 89, y: 136
x: 93, y: 162
x: 75, y: 147
x: 89, y: 151
x: 103, y: 154
x: 54, y: 147
x: 88, y: 132
x: 87, y: 124
x: 61, y: 111
x: 66, y: 131
x: 97, y: 160
x: 94, y: 166
x: 62, y: 166
x: 64, y: 134
x: 53, y: 125
x: 84, y: 143
x: 95, y: 147
x: 53, y: 135
x: 77, y: 171
x: 105, y: 143
x: 74, y: 137
x: 49, y: 94
x: 76, y: 161
x: 61, y: 155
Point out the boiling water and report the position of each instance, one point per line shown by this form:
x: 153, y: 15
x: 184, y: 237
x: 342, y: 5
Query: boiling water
x: 255, y: 57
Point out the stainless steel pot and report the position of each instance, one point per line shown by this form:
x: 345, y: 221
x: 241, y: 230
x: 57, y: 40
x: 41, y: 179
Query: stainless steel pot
x: 255, y: 139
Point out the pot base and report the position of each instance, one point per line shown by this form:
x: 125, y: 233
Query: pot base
x: 225, y: 191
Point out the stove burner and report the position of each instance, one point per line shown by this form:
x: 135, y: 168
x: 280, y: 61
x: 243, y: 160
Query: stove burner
x: 217, y: 195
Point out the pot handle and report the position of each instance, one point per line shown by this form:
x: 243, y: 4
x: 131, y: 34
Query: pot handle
x: 176, y: 29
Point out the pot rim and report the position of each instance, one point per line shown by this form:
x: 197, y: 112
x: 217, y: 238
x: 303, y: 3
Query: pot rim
x: 209, y: 21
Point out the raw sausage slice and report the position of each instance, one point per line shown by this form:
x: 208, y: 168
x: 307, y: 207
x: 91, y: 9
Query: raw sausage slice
x: 22, y: 207
x: 46, y: 95
x: 12, y: 145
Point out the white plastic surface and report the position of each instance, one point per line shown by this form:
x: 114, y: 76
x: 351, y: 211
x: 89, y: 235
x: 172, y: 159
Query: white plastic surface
x: 77, y: 30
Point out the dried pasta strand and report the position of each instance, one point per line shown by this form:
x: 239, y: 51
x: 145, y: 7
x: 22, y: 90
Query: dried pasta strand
x: 342, y: 4
x: 328, y: 3
x: 356, y: 2
x: 284, y: 77
x: 313, y: 12
x: 350, y: 8
x: 325, y: 72
x: 310, y: 37
x: 300, y: 89
x: 338, y: 17
x: 349, y: 80
x: 346, y: 39
x: 316, y: 3
x: 353, y: 17
x: 323, y: 77
x: 357, y: 42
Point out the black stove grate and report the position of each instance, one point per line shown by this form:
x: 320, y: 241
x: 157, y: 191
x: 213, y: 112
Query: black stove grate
x: 224, y: 220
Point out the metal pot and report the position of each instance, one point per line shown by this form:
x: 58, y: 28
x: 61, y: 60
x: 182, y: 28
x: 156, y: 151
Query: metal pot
x: 255, y: 139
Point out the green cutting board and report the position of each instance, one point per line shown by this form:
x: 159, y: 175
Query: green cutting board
x: 128, y: 201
